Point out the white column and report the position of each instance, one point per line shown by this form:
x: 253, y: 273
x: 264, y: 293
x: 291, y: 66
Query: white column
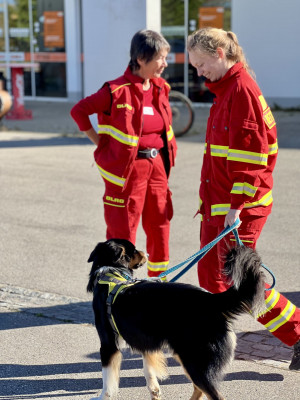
x: 108, y: 26
x: 73, y: 49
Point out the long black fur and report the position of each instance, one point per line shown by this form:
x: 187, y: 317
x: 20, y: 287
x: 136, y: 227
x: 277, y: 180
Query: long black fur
x: 194, y: 324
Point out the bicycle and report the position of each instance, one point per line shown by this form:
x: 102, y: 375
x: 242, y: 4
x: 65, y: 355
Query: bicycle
x: 183, y: 112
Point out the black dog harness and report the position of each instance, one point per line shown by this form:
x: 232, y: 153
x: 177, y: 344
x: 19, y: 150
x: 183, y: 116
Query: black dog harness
x: 117, y: 282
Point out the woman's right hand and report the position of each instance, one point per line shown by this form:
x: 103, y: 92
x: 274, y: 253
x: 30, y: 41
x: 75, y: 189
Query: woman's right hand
x: 93, y: 136
x: 231, y: 217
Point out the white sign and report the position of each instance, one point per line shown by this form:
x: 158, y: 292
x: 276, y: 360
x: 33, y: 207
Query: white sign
x: 13, y: 56
x: 171, y: 58
x: 19, y: 32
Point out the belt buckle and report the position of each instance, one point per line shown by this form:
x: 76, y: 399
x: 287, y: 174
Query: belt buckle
x: 153, y: 153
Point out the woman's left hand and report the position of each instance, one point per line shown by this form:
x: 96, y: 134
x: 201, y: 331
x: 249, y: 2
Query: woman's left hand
x: 231, y: 217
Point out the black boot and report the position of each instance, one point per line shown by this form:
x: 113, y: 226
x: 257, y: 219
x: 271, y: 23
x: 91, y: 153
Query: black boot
x: 295, y: 363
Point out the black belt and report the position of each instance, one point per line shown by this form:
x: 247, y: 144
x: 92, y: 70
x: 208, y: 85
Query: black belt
x: 148, y: 153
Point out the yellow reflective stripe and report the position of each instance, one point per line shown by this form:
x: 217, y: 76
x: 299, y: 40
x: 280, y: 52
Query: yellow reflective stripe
x: 118, y: 135
x: 170, y: 133
x: 218, y: 151
x: 126, y: 285
x: 119, y: 87
x: 270, y: 301
x: 158, y: 266
x: 117, y: 180
x: 265, y: 201
x: 282, y: 318
x: 115, y: 325
x: 166, y: 83
x: 114, y: 205
x: 220, y: 209
x: 244, y: 241
x: 273, y: 148
x: 111, y: 285
x: 116, y: 276
x: 247, y: 156
x: 263, y: 102
x: 205, y: 147
x: 244, y: 187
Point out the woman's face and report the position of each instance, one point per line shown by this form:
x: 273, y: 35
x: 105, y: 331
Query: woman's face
x: 212, y: 67
x: 155, y: 67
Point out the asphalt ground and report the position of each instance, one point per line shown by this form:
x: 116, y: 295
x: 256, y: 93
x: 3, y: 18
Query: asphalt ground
x: 51, y: 218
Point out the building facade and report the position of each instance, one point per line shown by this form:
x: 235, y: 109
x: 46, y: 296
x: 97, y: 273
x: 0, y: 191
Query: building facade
x: 68, y: 48
x: 269, y: 33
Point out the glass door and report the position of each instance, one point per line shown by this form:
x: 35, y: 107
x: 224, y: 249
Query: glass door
x: 49, y: 47
x: 32, y: 34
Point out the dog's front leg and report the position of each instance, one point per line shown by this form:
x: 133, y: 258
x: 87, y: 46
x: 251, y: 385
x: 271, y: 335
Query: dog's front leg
x: 198, y: 394
x: 154, y: 365
x: 110, y: 378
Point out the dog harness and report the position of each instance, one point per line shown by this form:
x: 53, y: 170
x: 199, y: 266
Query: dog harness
x: 117, y: 282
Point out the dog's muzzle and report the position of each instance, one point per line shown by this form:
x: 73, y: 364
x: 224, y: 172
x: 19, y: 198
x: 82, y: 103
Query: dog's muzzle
x: 148, y: 153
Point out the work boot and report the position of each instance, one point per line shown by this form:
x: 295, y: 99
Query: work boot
x: 295, y: 363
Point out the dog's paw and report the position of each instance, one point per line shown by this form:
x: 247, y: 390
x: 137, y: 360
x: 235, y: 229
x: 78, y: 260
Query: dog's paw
x: 156, y: 394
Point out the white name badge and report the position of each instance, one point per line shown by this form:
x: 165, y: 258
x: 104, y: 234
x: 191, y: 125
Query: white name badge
x: 148, y: 111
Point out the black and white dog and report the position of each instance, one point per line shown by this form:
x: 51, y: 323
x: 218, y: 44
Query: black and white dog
x: 195, y: 325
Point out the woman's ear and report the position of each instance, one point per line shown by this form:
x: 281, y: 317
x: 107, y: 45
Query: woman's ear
x: 220, y: 52
x: 139, y: 61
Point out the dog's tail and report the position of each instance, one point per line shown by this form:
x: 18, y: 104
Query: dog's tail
x: 243, y: 269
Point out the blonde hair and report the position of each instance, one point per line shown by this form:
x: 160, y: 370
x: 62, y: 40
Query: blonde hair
x: 209, y: 39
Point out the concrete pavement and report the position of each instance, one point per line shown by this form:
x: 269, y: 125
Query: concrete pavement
x: 51, y: 218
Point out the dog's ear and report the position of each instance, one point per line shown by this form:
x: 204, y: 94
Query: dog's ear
x: 95, y: 252
x: 114, y: 251
x: 106, y: 253
x: 127, y: 245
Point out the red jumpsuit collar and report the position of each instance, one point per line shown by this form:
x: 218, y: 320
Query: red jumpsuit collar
x: 218, y: 86
x: 137, y: 79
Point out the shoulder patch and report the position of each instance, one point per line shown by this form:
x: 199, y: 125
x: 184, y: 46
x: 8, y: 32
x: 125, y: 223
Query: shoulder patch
x: 268, y: 118
x: 267, y: 113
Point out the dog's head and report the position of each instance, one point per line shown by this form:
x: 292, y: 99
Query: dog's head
x: 116, y: 253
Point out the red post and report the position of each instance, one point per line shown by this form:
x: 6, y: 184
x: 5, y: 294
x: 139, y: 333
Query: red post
x: 18, y: 111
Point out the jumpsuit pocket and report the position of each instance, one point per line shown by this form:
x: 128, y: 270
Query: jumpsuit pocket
x: 170, y: 210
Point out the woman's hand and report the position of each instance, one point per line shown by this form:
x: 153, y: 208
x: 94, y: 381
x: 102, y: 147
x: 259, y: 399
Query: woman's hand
x: 93, y: 136
x: 231, y: 217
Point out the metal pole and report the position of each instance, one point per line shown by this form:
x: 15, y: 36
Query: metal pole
x: 186, y: 65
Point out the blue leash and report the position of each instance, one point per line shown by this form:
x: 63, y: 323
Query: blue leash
x: 202, y: 252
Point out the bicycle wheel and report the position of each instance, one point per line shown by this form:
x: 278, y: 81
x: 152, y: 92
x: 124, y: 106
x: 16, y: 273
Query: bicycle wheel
x: 183, y: 112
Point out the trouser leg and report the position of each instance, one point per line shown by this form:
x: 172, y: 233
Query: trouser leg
x: 156, y: 217
x: 210, y: 266
x: 123, y: 209
x: 283, y: 317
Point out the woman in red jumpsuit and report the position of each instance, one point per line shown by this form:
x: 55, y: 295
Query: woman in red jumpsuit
x: 136, y: 147
x: 236, y: 178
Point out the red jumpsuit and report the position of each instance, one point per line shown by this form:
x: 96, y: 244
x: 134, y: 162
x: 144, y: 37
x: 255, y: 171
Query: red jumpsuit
x: 135, y: 188
x: 239, y: 158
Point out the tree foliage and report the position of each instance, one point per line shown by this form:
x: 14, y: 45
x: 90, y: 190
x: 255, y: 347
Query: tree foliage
x: 172, y: 11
